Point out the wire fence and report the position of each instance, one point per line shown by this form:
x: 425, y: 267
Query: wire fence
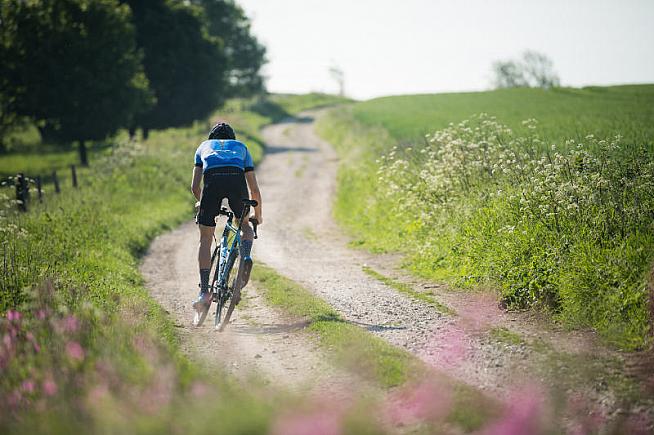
x: 24, y: 186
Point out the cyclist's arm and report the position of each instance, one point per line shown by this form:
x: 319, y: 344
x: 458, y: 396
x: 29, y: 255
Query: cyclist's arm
x: 195, y: 184
x: 254, y: 194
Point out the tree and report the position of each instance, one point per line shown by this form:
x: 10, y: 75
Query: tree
x: 244, y: 54
x: 72, y: 66
x: 184, y: 64
x: 539, y: 70
x: 339, y: 77
x: 508, y: 74
x: 532, y: 70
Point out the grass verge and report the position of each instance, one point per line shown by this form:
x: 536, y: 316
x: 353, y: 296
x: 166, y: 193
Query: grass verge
x: 357, y: 349
x: 409, y: 291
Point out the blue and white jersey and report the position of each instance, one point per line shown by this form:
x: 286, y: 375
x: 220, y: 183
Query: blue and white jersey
x: 216, y: 153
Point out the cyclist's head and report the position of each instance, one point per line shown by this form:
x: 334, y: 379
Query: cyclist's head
x: 222, y: 130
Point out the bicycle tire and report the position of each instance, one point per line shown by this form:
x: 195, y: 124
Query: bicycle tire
x: 198, y: 318
x: 219, y: 308
x: 235, y: 289
x: 225, y: 294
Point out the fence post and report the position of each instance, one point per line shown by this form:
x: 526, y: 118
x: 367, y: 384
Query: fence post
x: 56, y: 181
x: 21, y: 192
x: 38, y: 188
x: 74, y: 173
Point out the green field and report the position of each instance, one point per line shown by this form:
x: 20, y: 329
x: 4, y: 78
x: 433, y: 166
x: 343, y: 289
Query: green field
x: 551, y: 217
x: 564, y: 113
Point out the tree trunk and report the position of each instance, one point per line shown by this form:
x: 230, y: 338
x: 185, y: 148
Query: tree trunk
x: 146, y: 133
x: 132, y: 133
x: 83, y: 155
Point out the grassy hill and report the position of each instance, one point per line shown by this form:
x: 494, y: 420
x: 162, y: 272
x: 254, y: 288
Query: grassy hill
x: 555, y: 213
x: 564, y: 113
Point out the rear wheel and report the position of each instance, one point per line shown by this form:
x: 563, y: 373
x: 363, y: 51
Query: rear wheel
x: 235, y: 287
x: 226, y: 294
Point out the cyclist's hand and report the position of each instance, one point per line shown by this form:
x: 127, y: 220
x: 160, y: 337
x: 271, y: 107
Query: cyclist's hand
x: 197, y: 205
x: 259, y: 219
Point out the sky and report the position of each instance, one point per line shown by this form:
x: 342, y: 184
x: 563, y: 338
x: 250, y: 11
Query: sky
x: 391, y: 47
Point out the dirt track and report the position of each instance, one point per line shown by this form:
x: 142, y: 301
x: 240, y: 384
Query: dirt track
x: 259, y: 342
x: 300, y: 240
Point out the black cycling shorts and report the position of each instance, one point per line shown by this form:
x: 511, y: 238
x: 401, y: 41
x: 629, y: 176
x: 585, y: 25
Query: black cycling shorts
x: 224, y: 182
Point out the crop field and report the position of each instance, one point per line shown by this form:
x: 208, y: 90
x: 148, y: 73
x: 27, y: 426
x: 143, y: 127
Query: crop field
x: 546, y: 196
x: 562, y: 114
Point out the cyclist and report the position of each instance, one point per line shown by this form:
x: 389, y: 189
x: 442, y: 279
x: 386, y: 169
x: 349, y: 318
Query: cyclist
x: 227, y: 168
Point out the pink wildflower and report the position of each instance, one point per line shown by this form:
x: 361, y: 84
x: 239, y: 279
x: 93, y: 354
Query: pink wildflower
x: 71, y: 324
x: 49, y: 387
x: 97, y: 395
x: 74, y: 350
x: 31, y: 339
x: 427, y: 401
x: 524, y: 415
x: 13, y: 316
x: 316, y: 422
x: 27, y: 386
x: 199, y: 390
x: 14, y: 398
x: 41, y: 314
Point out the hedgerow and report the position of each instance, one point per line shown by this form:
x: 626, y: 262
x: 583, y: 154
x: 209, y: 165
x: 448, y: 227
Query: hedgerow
x: 565, y: 228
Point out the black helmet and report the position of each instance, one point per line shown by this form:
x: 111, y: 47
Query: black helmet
x: 222, y: 130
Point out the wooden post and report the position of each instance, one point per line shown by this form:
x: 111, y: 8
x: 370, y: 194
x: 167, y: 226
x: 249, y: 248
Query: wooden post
x: 38, y: 188
x: 56, y: 181
x: 83, y: 154
x: 21, y: 191
x: 74, y: 173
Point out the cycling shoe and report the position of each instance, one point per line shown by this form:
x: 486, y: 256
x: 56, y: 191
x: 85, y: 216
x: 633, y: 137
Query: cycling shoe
x: 202, y: 302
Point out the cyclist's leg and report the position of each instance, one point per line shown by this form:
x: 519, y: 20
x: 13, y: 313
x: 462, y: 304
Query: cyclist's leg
x: 235, y: 199
x: 206, y: 220
x: 246, y: 239
x: 204, y: 255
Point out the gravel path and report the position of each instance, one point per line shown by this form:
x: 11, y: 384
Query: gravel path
x: 259, y: 343
x: 302, y: 241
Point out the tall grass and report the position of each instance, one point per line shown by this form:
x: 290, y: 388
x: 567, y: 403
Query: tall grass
x: 562, y: 226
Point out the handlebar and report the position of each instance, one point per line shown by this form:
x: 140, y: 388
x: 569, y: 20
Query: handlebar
x: 254, y: 223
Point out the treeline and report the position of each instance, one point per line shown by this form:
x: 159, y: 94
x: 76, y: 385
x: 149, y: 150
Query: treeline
x: 80, y: 70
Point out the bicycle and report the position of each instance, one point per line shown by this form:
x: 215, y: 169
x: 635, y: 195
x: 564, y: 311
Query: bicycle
x: 223, y: 260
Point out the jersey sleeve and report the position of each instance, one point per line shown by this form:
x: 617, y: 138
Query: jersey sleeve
x: 249, y: 163
x: 198, y: 158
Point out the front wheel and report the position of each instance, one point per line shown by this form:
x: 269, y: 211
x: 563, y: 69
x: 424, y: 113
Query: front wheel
x: 240, y: 275
x: 198, y: 318
x: 220, y: 303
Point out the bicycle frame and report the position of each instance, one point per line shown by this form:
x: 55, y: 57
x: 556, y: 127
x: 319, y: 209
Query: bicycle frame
x: 228, y: 251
